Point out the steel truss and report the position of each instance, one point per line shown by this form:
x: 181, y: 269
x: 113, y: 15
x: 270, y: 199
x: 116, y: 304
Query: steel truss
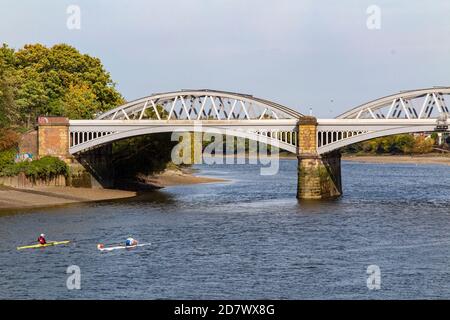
x: 229, y: 113
x: 422, y: 110
x: 245, y: 116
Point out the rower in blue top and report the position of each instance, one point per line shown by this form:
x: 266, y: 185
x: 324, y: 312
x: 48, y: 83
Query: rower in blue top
x: 130, y: 242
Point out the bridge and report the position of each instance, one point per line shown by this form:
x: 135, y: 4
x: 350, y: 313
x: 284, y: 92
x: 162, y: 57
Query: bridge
x: 315, y: 141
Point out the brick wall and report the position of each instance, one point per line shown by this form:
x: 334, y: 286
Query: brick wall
x: 307, y: 135
x: 28, y: 144
x: 53, y: 137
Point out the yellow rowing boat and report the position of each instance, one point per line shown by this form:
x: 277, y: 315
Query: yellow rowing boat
x: 48, y: 244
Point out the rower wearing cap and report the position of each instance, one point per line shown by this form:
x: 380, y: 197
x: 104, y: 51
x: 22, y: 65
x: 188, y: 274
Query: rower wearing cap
x: 41, y: 239
x: 130, y: 242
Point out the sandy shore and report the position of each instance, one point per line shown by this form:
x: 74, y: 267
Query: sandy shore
x: 177, y: 177
x: 12, y: 198
x: 417, y: 159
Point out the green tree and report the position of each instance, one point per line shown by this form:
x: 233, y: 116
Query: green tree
x: 37, y: 80
x: 80, y: 102
x: 402, y: 143
x: 8, y: 108
x: 32, y: 99
x: 59, y: 80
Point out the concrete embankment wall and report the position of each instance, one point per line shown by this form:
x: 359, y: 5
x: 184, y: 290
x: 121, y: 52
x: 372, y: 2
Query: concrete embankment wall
x: 22, y: 181
x: 79, y: 176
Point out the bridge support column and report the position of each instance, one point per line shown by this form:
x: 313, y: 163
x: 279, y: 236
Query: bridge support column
x: 319, y: 176
x: 92, y: 169
x: 53, y: 137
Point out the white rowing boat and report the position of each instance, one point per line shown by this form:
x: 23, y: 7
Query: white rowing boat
x: 122, y: 247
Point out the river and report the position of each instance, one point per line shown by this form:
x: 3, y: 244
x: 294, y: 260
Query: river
x: 247, y: 238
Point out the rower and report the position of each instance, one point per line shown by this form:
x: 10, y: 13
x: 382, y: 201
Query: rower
x: 41, y: 239
x: 130, y: 242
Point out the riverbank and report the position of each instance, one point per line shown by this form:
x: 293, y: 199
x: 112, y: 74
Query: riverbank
x: 12, y: 198
x: 47, y: 196
x: 432, y: 158
x: 415, y: 159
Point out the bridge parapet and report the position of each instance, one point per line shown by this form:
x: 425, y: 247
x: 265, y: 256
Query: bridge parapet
x: 333, y: 134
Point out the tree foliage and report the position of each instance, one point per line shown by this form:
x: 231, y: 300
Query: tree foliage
x: 58, y: 81
x: 396, y: 144
x: 8, y: 138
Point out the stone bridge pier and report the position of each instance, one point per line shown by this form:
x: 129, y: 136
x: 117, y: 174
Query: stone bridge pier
x: 319, y: 176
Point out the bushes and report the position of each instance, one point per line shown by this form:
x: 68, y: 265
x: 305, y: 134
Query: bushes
x: 44, y: 168
x: 423, y: 145
x: 7, y: 158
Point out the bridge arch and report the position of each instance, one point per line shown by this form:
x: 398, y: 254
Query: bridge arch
x: 412, y: 104
x: 203, y: 104
x: 346, y: 137
x: 414, y: 111
x: 204, y: 110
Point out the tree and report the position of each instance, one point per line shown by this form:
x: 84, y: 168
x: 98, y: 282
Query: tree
x: 8, y: 109
x: 8, y: 139
x: 38, y: 80
x: 422, y: 145
x: 61, y: 81
x: 32, y: 99
x: 80, y: 102
x: 402, y: 143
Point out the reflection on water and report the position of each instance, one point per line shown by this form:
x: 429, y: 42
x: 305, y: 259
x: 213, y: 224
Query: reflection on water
x: 245, y: 238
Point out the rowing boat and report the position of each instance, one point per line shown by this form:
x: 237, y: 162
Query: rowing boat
x: 48, y: 244
x: 122, y: 247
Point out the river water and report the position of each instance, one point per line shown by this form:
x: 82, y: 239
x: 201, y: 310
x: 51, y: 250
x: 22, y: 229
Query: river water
x: 247, y: 238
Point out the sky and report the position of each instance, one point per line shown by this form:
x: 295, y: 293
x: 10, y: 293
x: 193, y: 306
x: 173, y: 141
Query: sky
x: 308, y: 54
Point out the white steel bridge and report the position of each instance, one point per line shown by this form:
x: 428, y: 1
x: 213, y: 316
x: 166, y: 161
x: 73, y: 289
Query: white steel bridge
x: 242, y: 115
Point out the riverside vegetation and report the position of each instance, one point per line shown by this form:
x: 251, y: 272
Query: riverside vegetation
x: 397, y: 144
x: 60, y: 81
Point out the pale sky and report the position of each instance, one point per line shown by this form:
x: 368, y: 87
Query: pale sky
x: 305, y: 54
